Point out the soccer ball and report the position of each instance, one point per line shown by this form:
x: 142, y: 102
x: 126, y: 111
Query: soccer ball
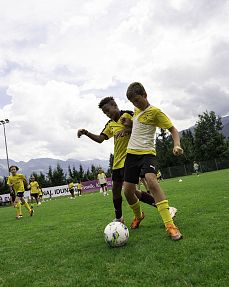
x: 116, y: 234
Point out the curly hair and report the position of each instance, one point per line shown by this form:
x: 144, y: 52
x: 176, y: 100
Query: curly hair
x: 134, y: 89
x: 105, y: 101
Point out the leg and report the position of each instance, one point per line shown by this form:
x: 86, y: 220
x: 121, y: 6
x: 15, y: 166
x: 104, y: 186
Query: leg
x: 117, y: 199
x: 130, y: 194
x: 18, y: 207
x: 162, y: 206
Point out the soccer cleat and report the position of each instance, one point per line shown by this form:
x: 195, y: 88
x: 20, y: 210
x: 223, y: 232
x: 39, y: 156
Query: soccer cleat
x: 31, y: 211
x: 173, y: 232
x: 121, y: 219
x: 136, y: 222
x: 172, y: 211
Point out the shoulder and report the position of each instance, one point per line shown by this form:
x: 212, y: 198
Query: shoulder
x: 126, y: 113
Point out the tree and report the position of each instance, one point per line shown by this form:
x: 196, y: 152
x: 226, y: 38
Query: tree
x: 188, y: 145
x: 164, y: 149
x: 209, y: 141
x: 58, y: 176
x: 111, y: 161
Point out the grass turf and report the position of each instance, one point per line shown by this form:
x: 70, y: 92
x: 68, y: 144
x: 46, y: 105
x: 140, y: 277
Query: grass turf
x: 63, y: 244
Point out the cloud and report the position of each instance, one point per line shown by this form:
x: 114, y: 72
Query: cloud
x: 59, y: 58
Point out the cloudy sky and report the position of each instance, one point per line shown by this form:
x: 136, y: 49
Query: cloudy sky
x: 59, y: 58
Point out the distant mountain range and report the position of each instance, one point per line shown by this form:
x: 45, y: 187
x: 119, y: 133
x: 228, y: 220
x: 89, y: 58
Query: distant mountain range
x: 42, y: 164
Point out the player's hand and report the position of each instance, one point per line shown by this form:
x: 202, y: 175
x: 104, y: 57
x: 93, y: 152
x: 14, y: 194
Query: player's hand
x: 122, y: 133
x: 177, y: 150
x: 126, y: 122
x: 81, y: 132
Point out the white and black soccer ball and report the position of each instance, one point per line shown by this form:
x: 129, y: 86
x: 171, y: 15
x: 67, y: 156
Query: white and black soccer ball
x: 116, y: 234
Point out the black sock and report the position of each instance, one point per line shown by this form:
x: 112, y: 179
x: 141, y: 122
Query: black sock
x: 118, y: 207
x: 147, y: 198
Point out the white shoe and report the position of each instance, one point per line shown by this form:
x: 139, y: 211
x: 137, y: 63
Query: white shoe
x: 121, y: 219
x: 172, y: 211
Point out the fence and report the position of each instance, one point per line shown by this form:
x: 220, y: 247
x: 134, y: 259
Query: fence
x: 187, y: 169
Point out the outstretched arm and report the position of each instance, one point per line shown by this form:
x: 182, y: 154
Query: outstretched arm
x: 97, y: 138
x: 177, y: 150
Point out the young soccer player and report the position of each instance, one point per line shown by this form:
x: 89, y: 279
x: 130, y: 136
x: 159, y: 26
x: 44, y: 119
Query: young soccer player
x: 40, y: 194
x: 121, y: 133
x: 141, y: 158
x: 71, y: 189
x: 196, y: 168
x: 34, y: 189
x: 102, y: 181
x: 79, y: 187
x: 18, y: 183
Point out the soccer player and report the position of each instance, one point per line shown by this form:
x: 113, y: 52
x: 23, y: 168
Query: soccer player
x: 34, y: 189
x: 79, y: 187
x: 102, y: 181
x: 121, y: 133
x: 141, y: 156
x: 196, y: 168
x: 18, y: 183
x: 71, y: 189
x: 40, y: 194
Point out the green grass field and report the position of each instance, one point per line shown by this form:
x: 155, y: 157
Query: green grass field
x: 63, y: 244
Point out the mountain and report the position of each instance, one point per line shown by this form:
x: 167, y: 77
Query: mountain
x: 225, y: 130
x: 42, y: 165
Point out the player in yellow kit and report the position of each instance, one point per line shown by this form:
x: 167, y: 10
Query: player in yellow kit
x: 141, y: 156
x: 79, y: 187
x: 71, y: 189
x: 18, y: 183
x: 34, y: 189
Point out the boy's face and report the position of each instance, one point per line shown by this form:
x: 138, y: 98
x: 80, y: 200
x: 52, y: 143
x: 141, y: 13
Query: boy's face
x: 111, y: 110
x: 13, y: 170
x: 139, y: 101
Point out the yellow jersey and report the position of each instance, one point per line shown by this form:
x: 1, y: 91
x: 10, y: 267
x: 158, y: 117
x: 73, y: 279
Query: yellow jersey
x: 71, y: 185
x: 34, y: 187
x: 120, y: 144
x: 17, y: 181
x: 142, y: 139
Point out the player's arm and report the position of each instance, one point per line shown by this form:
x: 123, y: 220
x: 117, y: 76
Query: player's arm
x: 177, y: 150
x: 97, y: 138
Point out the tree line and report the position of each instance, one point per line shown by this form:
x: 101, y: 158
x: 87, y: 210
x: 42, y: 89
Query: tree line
x: 205, y: 142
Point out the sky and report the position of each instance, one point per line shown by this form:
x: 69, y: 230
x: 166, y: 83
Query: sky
x: 59, y: 58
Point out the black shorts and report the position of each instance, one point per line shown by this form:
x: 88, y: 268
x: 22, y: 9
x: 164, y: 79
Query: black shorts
x: 118, y: 175
x: 35, y: 195
x: 20, y: 194
x: 103, y: 184
x: 71, y: 191
x: 138, y: 165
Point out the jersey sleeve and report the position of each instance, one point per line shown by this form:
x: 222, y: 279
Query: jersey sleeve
x: 162, y: 121
x: 107, y: 131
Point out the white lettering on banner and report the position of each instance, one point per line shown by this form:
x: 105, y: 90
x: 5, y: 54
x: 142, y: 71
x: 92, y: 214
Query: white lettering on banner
x: 56, y: 191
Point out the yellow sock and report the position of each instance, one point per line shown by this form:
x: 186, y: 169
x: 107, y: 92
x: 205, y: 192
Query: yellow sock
x: 136, y: 209
x: 27, y: 206
x: 18, y: 209
x: 163, y: 208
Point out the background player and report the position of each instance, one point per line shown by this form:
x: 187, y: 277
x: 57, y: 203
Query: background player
x: 18, y: 183
x: 34, y: 189
x: 102, y: 181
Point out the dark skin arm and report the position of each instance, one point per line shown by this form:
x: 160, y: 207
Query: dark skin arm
x: 97, y: 138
